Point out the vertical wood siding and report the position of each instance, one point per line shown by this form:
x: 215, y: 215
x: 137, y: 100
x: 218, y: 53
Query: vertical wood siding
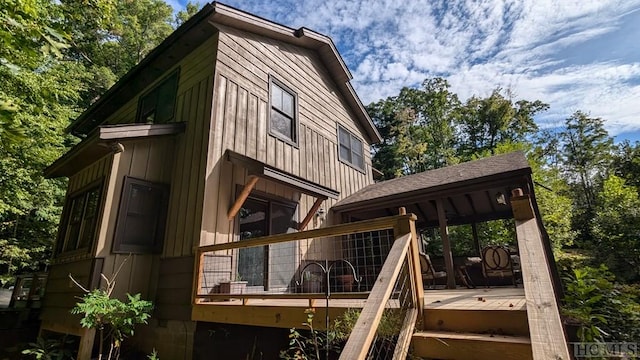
x: 239, y: 123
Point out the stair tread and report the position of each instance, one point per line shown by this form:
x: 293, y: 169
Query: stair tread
x: 472, y: 336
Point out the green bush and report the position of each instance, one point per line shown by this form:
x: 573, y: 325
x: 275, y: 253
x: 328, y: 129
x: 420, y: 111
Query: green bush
x: 605, y: 310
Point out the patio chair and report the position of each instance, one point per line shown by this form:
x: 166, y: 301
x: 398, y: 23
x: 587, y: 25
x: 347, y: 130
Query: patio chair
x: 496, y: 263
x: 429, y: 274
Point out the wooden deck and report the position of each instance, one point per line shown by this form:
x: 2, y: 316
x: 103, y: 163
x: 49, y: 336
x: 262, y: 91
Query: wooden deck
x: 496, y: 298
x: 290, y: 312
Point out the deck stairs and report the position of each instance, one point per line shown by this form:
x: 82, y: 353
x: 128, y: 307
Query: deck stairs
x: 473, y: 334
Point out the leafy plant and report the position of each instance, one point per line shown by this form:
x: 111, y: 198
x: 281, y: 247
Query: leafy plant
x: 113, y: 318
x: 153, y: 355
x: 50, y: 349
x: 302, y: 347
x: 603, y: 309
x: 309, y: 346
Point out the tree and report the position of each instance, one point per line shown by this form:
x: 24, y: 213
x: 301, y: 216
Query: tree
x: 626, y: 162
x: 586, y: 148
x: 616, y: 229
x: 28, y: 37
x: 110, y: 37
x: 30, y: 205
x: 417, y: 129
x: 183, y: 15
x: 486, y: 122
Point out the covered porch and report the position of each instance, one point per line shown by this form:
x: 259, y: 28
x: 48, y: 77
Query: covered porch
x: 454, y: 207
x: 373, y: 263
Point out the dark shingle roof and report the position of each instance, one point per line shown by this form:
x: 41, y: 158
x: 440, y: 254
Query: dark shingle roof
x: 438, y: 178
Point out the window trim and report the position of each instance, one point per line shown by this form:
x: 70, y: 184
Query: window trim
x: 156, y: 87
x: 351, y: 137
x: 59, y: 250
x: 296, y: 116
x: 118, y: 247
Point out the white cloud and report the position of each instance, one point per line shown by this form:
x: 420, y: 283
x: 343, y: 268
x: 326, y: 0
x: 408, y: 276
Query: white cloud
x: 540, y: 49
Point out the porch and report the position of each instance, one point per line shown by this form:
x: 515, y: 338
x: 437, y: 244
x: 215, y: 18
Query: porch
x: 380, y: 259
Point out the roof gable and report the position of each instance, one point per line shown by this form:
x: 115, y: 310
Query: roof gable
x: 193, y: 33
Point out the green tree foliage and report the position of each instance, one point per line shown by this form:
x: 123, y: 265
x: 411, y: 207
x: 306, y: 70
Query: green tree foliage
x: 417, y: 129
x: 110, y: 37
x: 603, y: 309
x: 56, y: 58
x: 484, y: 123
x: 28, y: 38
x: 616, y: 229
x: 41, y: 91
x: 626, y: 162
x: 30, y: 205
x: 586, y: 155
x: 189, y: 10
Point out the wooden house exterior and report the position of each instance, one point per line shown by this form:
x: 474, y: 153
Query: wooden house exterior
x: 229, y: 106
x: 238, y: 140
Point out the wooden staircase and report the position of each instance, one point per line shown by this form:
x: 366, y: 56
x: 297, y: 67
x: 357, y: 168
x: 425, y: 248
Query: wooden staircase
x: 473, y: 334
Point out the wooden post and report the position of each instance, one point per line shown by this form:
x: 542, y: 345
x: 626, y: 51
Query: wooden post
x: 446, y: 246
x: 545, y: 326
x: 476, y: 241
x: 86, y: 343
x: 311, y: 213
x: 199, y: 267
x: 406, y: 226
x: 242, y: 197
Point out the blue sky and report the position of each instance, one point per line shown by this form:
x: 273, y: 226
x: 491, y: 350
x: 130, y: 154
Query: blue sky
x: 571, y: 54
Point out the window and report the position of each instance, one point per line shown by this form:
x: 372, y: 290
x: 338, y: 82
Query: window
x: 263, y: 266
x: 81, y: 218
x: 283, y: 122
x: 350, y: 148
x: 158, y: 105
x: 141, y: 217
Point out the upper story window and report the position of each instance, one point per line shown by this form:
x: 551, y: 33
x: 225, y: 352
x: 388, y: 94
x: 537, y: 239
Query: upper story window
x: 78, y: 227
x: 141, y: 217
x: 158, y: 105
x: 351, y: 149
x: 284, y: 112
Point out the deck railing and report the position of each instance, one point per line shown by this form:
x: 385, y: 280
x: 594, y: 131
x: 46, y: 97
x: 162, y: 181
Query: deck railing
x: 374, y: 259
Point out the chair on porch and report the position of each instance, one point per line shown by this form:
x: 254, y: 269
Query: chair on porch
x: 429, y: 274
x: 496, y: 263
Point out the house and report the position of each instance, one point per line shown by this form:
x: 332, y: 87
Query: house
x: 219, y: 158
x: 231, y: 110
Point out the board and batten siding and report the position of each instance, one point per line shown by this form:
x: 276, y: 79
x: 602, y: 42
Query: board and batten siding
x: 177, y: 160
x: 188, y: 156
x: 240, y: 123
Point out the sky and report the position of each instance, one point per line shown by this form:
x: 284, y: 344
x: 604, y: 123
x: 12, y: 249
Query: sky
x: 574, y: 55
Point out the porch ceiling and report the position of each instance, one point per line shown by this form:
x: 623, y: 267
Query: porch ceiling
x: 475, y: 191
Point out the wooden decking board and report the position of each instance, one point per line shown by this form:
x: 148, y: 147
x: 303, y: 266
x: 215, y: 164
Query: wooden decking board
x: 511, y: 299
x: 473, y: 336
x: 469, y: 346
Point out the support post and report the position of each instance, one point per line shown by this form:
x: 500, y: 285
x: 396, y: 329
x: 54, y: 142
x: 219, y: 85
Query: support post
x: 446, y: 245
x: 311, y: 213
x: 476, y: 241
x: 242, y: 197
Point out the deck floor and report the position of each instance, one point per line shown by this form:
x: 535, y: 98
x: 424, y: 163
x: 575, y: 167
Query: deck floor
x: 288, y: 313
x: 497, y: 298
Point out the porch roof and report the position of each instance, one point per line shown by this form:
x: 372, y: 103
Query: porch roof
x: 474, y: 191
